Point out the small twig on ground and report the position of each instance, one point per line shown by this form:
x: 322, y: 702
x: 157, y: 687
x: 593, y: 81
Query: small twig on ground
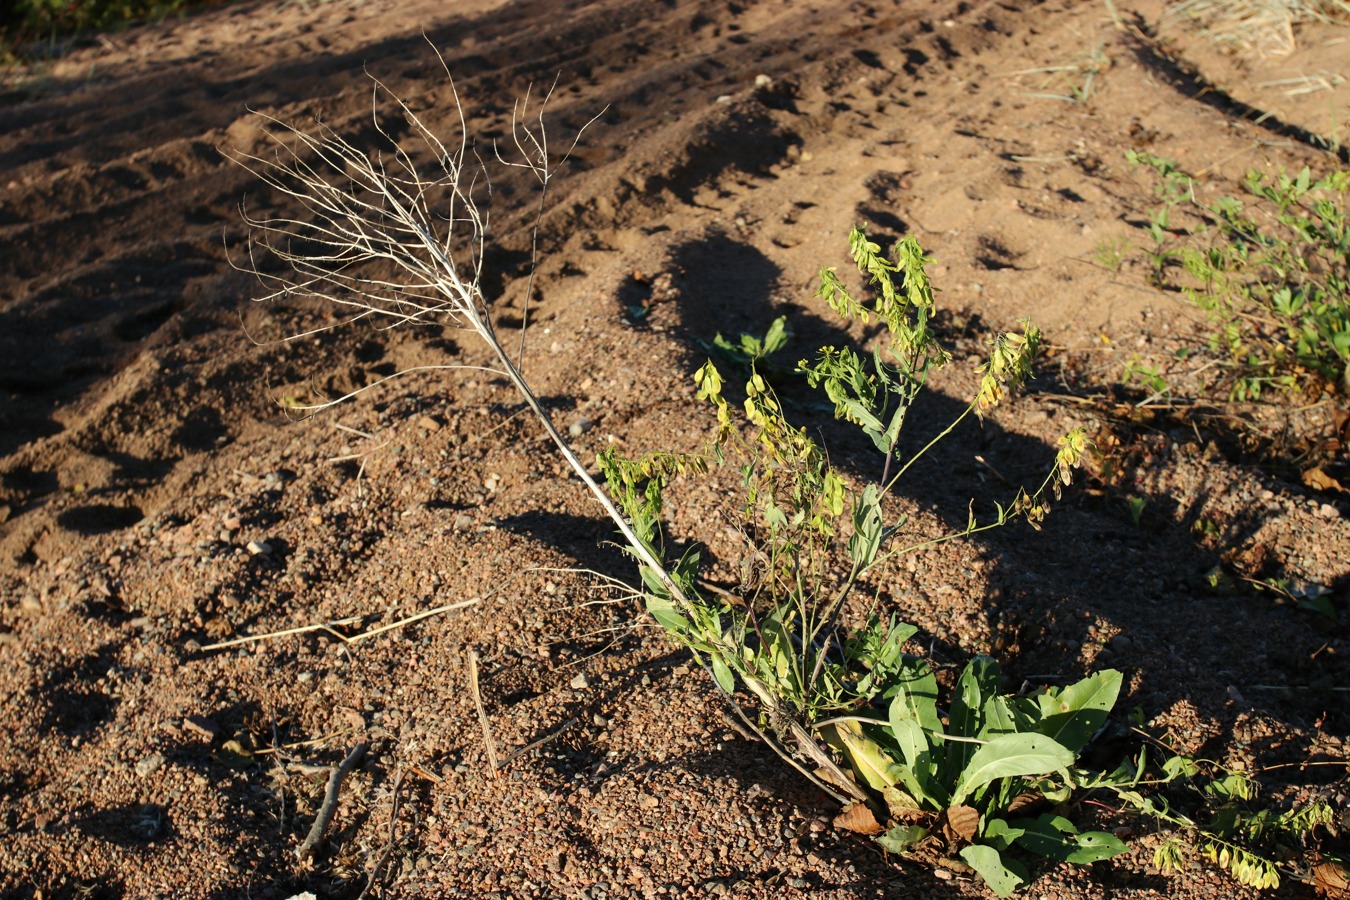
x: 330, y: 802
x: 389, y: 844
x: 539, y: 743
x: 482, y: 713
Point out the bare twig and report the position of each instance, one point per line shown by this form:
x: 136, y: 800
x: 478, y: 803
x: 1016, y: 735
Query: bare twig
x: 330, y: 802
x: 535, y: 745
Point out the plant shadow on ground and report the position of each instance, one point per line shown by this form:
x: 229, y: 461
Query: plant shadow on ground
x: 717, y: 284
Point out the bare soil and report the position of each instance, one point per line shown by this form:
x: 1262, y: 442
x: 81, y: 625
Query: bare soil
x: 156, y: 497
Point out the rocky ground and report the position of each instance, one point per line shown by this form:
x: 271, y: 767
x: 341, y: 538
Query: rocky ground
x: 158, y: 498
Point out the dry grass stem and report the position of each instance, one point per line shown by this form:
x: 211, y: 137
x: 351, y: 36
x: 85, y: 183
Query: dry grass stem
x: 389, y: 844
x: 328, y: 627
x: 488, y: 742
x: 1265, y: 27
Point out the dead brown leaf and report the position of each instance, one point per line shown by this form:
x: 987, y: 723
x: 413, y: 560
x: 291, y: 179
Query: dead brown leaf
x: 1319, y: 480
x: 857, y: 817
x: 962, y: 822
x: 1332, y: 879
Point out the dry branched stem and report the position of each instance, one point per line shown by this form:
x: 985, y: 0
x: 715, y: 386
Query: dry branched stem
x: 362, y: 215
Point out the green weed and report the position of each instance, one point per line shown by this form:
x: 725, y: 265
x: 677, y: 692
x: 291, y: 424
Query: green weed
x: 936, y: 785
x: 1229, y: 829
x: 1272, y: 269
x: 1111, y: 254
x: 847, y: 707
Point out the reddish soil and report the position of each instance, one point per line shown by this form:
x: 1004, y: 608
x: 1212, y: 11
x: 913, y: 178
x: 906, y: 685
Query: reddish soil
x: 145, y: 444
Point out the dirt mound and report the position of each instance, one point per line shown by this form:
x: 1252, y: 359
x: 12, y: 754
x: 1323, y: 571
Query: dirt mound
x: 158, y: 495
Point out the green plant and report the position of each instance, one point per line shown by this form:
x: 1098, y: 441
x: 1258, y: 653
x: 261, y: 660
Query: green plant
x: 951, y: 786
x: 751, y: 350
x: 1112, y: 253
x: 1151, y: 376
x: 1272, y: 271
x: 1249, y: 842
x: 980, y: 783
x: 848, y: 708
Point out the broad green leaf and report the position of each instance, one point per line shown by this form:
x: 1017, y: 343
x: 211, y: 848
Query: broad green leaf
x: 914, y: 697
x: 1073, y: 715
x: 872, y: 764
x: 902, y: 837
x: 1005, y: 715
x: 913, y: 718
x: 1011, y: 756
x: 1055, y: 837
x: 978, y: 682
x: 777, y: 336
x: 1096, y: 845
x: 1000, y: 835
x: 1002, y: 876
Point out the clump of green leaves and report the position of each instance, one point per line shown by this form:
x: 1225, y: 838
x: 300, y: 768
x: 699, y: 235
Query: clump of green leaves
x: 979, y: 782
x: 752, y: 349
x: 1271, y: 268
x: 848, y: 707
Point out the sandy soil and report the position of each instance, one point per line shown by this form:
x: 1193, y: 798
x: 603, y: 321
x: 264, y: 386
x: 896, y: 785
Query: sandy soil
x: 144, y: 444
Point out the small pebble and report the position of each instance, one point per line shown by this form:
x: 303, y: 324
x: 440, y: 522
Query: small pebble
x: 580, y: 427
x: 259, y: 548
x: 580, y: 682
x: 149, y: 765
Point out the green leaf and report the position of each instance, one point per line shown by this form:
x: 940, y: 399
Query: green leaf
x: 901, y: 838
x: 1006, y: 715
x: 1003, y: 877
x: 1074, y: 715
x: 1000, y: 835
x: 978, y: 683
x: 1011, y: 756
x: 867, y: 528
x: 914, y: 698
x: 873, y: 764
x: 662, y: 609
x: 1055, y: 837
x: 722, y: 672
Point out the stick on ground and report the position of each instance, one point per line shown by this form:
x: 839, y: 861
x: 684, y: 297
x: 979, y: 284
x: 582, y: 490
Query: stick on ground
x: 330, y: 802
